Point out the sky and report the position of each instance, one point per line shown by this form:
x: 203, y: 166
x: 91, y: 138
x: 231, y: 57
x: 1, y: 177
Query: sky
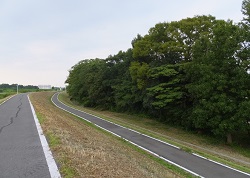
x: 40, y: 40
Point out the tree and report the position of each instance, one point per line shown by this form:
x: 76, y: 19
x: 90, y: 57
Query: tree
x: 127, y: 96
x: 246, y: 11
x: 165, y: 94
x: 77, y: 88
x: 219, y: 83
x: 244, y: 52
x: 158, y: 67
x: 171, y: 43
x: 88, y: 82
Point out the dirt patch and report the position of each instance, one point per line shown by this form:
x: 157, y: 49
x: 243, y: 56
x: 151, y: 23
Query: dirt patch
x: 82, y: 151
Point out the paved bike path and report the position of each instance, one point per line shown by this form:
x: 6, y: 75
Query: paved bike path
x: 190, y: 162
x: 21, y: 152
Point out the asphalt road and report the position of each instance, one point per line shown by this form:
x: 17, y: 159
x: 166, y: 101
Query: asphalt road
x: 21, y: 152
x: 195, y: 164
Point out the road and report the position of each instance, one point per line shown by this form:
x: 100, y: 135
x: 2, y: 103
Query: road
x: 191, y: 163
x: 21, y: 151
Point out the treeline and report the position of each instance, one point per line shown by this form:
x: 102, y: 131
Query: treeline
x: 191, y: 73
x: 14, y: 86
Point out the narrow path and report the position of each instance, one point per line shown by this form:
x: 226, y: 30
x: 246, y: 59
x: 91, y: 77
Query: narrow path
x: 189, y: 162
x: 21, y: 151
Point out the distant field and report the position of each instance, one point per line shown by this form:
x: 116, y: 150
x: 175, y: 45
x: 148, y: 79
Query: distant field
x: 5, y: 93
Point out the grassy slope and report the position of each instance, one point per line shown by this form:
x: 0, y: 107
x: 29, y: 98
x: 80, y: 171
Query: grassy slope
x: 4, y: 97
x: 233, y: 156
x: 83, y: 150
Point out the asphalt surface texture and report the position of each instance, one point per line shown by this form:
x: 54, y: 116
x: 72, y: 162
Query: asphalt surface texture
x: 200, y: 166
x: 21, y: 153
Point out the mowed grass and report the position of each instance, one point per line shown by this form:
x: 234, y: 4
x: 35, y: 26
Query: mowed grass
x: 208, y: 147
x: 84, y: 150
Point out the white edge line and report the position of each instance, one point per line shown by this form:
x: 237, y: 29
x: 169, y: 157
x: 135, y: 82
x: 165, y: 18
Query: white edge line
x: 221, y: 164
x: 53, y: 169
x: 126, y: 139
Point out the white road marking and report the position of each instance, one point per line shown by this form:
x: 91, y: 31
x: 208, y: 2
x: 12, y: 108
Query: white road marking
x: 221, y: 164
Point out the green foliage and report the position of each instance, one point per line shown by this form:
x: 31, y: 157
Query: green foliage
x: 87, y: 82
x: 4, y: 95
x: 246, y: 11
x: 219, y: 84
x: 165, y: 94
x: 193, y: 72
x: 53, y: 139
x: 41, y: 118
x: 139, y: 74
x: 171, y: 43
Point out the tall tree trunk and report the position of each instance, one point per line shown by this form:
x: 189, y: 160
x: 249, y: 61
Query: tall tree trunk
x: 229, y: 138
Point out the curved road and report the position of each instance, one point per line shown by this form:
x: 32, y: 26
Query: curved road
x: 189, y: 162
x: 21, y: 151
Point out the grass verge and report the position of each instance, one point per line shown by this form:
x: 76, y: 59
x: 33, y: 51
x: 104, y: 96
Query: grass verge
x: 54, y: 143
x: 84, y: 150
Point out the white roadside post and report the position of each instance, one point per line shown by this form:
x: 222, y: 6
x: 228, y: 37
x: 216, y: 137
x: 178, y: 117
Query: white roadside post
x: 16, y: 88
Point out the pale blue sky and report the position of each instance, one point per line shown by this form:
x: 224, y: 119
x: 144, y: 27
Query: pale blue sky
x: 40, y: 40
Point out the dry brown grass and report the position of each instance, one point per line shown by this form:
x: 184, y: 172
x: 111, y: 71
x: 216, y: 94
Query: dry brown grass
x: 83, y: 151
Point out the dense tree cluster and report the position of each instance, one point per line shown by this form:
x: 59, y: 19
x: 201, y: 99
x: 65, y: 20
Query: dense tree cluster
x: 193, y: 72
